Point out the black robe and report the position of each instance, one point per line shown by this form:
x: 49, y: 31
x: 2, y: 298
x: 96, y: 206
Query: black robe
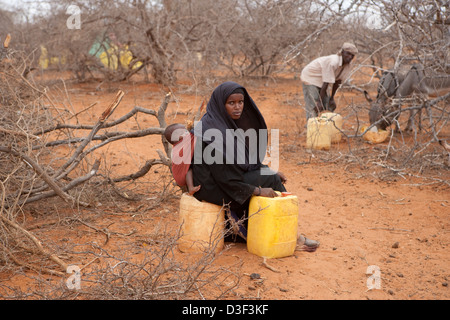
x: 231, y: 183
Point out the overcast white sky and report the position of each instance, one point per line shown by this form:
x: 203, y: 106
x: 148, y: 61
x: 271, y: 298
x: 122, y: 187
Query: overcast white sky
x: 30, y: 6
x: 33, y: 6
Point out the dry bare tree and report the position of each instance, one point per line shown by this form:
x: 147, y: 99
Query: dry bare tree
x: 408, y: 33
x: 168, y: 39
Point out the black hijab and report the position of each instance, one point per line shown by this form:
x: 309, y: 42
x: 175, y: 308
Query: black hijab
x: 217, y: 118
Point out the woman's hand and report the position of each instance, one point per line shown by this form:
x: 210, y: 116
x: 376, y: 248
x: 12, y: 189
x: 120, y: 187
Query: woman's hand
x: 265, y: 192
x: 268, y: 192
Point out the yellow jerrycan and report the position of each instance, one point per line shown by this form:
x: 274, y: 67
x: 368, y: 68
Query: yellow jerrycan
x: 201, y: 225
x: 334, y: 123
x: 374, y: 135
x: 317, y: 134
x: 272, y: 226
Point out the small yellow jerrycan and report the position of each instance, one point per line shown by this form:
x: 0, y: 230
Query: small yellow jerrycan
x: 202, y: 226
x: 317, y: 134
x: 272, y: 226
x: 334, y: 125
x: 374, y: 135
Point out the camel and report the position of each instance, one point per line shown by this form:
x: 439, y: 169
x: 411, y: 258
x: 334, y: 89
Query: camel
x: 395, y: 88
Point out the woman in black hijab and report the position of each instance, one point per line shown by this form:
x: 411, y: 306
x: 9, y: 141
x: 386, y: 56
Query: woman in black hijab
x: 231, y: 144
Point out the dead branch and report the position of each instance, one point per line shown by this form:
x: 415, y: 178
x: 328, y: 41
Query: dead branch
x: 105, y: 231
x: 427, y: 105
x: 7, y: 40
x: 162, y: 110
x: 140, y: 173
x: 391, y: 229
x: 127, y: 116
x: 20, y: 133
x: 35, y: 240
x: 106, y: 138
x: 199, y: 111
x: 265, y: 264
x: 37, y: 168
x: 112, y: 107
x: 162, y: 122
x: 165, y: 160
x: 74, y: 183
x: 78, y: 156
x: 445, y: 145
x: 28, y: 265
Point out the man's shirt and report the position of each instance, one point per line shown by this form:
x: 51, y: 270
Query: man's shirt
x: 325, y: 69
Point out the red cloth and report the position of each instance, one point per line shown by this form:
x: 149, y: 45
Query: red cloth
x: 182, y: 153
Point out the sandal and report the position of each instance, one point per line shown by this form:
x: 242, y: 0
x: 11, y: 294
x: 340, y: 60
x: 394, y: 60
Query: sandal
x: 305, y: 244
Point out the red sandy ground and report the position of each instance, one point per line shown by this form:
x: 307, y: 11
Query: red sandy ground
x: 399, y: 224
